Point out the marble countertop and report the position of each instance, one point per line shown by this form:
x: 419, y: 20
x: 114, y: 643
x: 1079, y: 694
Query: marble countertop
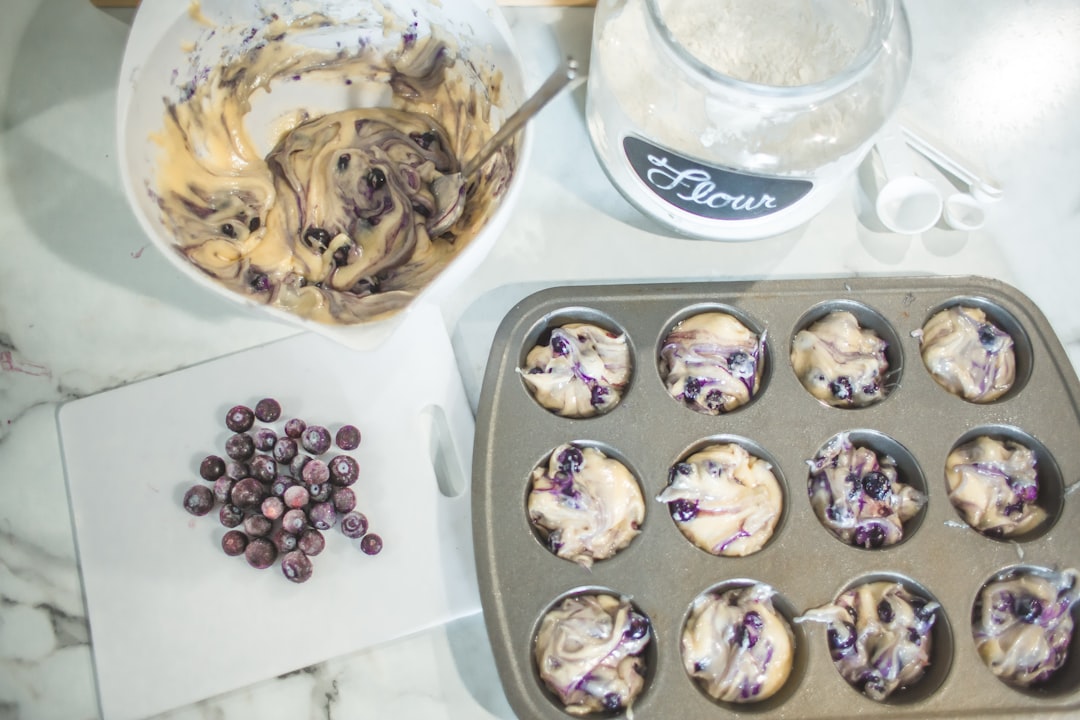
x: 86, y: 304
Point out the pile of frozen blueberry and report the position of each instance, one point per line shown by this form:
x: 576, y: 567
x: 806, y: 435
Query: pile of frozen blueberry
x: 276, y: 492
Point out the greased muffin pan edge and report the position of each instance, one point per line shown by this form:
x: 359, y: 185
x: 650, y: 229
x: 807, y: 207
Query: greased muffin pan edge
x: 661, y: 572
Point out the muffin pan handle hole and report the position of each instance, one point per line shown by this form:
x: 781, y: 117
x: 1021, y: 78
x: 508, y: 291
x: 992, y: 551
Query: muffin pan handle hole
x: 444, y: 450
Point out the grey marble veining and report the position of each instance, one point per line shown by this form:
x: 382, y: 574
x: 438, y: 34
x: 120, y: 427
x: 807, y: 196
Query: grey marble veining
x: 87, y: 305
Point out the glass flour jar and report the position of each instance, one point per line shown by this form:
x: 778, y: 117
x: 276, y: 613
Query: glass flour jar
x: 741, y: 119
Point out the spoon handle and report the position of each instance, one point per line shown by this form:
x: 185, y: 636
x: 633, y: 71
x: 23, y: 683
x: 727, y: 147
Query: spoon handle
x: 559, y: 79
x: 981, y: 186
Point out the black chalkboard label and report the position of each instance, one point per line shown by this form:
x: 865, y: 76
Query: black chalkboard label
x: 709, y: 191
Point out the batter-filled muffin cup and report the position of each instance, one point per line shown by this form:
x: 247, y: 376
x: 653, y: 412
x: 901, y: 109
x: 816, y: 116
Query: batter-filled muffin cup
x: 968, y: 354
x: 840, y: 362
x: 580, y: 371
x: 590, y: 653
x: 1022, y: 624
x: 712, y: 363
x: 724, y: 499
x: 994, y: 484
x: 585, y: 505
x: 858, y: 493
x: 736, y: 645
x: 879, y: 636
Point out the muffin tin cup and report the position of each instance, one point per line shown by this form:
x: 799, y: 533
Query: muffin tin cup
x: 662, y: 573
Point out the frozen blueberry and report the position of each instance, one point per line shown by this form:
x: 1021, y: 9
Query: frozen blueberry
x: 315, y: 439
x: 284, y: 450
x: 343, y: 499
x: 320, y: 492
x: 840, y: 643
x: 315, y: 472
x: 344, y: 470
x: 639, y: 625
x: 296, y: 467
x: 870, y: 536
x: 223, y: 489
x: 247, y: 493
x: 354, y: 524
x: 612, y: 702
x: 311, y: 542
x: 683, y: 510
x: 570, y: 460
x: 234, y: 542
x: 322, y: 515
x: 294, y: 521
x: 280, y: 485
x: 741, y: 364
x: 691, y: 388
x: 876, y: 485
x: 348, y: 437
x: 1027, y: 609
x: 199, y: 500
x: 230, y: 515
x: 272, y: 507
x: 371, y: 544
x: 297, y: 496
x: 559, y: 346
x: 597, y: 396
x: 425, y: 140
x: 236, y: 470
x: 263, y: 467
x: 239, y: 419
x: 257, y: 526
x: 343, y: 162
x: 841, y: 388
x: 885, y: 611
x: 296, y: 566
x: 240, y: 447
x: 714, y: 401
x: 260, y: 553
x: 316, y: 238
x: 283, y: 540
x: 294, y: 427
x: 211, y: 468
x: 268, y: 410
x: 987, y: 336
x: 375, y: 178
x: 265, y: 439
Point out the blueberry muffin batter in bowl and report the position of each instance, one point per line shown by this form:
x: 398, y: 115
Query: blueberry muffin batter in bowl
x: 287, y: 155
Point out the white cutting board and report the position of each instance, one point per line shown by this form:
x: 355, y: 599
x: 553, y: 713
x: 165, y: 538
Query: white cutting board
x: 174, y: 620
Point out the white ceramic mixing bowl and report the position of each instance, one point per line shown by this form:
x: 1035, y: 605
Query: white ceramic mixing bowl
x: 171, y: 44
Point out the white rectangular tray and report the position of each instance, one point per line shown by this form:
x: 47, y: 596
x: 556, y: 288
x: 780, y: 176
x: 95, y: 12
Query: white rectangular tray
x: 173, y: 619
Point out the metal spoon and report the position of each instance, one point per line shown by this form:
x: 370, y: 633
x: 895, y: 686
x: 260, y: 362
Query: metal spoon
x: 449, y: 190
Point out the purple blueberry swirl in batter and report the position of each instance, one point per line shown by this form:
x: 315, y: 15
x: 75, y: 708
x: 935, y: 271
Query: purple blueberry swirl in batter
x: 967, y: 354
x: 724, y: 500
x: 879, y: 636
x: 736, y: 646
x: 839, y: 362
x: 994, y: 484
x: 712, y: 363
x: 1023, y: 625
x: 586, y: 505
x: 580, y: 372
x: 589, y: 653
x: 858, y: 496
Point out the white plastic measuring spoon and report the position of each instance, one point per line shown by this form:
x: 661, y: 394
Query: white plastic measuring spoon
x: 982, y: 188
x: 906, y: 203
x: 963, y: 210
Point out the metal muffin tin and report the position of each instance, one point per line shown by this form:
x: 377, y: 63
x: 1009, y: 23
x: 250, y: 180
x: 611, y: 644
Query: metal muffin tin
x: 662, y: 572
